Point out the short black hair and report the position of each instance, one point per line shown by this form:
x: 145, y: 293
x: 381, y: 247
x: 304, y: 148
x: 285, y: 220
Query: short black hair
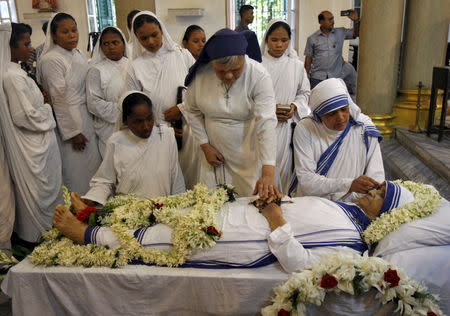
x: 113, y: 30
x: 132, y: 100
x: 277, y: 25
x: 189, y: 30
x: 58, y: 18
x: 17, y: 30
x: 321, y: 17
x: 44, y: 27
x: 244, y: 8
x: 130, y: 17
x: 145, y: 18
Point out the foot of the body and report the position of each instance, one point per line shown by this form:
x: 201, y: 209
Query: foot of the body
x: 77, y: 203
x: 68, y: 225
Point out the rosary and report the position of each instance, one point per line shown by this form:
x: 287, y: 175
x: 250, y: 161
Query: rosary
x: 227, y: 89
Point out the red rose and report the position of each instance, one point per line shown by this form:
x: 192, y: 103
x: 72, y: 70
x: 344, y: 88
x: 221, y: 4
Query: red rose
x: 391, y: 277
x: 283, y: 312
x: 84, y: 214
x: 158, y: 206
x: 211, y: 230
x: 328, y: 282
x: 431, y: 314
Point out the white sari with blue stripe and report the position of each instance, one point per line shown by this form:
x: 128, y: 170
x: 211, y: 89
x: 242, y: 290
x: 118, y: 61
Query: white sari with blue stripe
x: 316, y: 226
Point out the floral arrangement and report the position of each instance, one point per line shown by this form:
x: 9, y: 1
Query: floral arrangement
x: 353, y: 275
x: 192, y: 229
x: 426, y: 202
x: 6, y: 262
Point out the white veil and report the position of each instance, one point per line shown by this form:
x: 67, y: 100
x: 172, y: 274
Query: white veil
x: 98, y: 55
x: 290, y: 51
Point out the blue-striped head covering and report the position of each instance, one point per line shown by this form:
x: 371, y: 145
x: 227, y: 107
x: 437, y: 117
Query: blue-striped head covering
x: 330, y: 95
x: 395, y: 196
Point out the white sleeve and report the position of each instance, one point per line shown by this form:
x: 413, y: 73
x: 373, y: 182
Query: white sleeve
x: 266, y: 119
x: 302, y: 96
x: 105, y: 179
x: 132, y: 82
x: 27, y: 112
x: 96, y: 98
x: 177, y: 179
x: 290, y: 253
x: 53, y: 72
x: 193, y: 116
x: 310, y: 182
x: 374, y: 162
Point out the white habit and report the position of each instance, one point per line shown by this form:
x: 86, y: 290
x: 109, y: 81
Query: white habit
x: 33, y: 153
x: 147, y: 167
x: 159, y: 75
x: 63, y: 74
x: 291, y: 86
x: 240, y: 123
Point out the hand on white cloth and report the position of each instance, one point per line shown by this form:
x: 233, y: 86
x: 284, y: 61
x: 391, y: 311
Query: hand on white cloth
x: 212, y: 155
x: 265, y: 186
x: 79, y: 142
x: 172, y: 114
x: 283, y: 115
x: 363, y: 184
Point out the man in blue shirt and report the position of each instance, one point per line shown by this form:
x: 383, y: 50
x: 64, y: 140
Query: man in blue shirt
x: 323, y: 49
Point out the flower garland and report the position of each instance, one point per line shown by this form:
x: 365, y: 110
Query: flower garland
x: 426, y: 202
x: 192, y: 229
x: 353, y: 275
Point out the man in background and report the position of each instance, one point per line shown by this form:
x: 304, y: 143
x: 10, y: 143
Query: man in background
x: 246, y: 14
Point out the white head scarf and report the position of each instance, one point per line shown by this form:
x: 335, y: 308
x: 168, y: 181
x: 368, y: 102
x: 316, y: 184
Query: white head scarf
x: 98, y: 55
x: 290, y: 51
x: 138, y: 49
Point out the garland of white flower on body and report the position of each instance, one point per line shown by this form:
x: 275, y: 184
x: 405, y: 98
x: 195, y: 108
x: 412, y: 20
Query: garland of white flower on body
x: 192, y: 229
x: 353, y: 275
x: 426, y: 202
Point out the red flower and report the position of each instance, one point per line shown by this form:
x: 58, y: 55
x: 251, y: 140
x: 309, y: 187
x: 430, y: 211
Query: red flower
x: 158, y: 206
x: 431, y: 314
x: 328, y: 282
x: 83, y: 215
x: 391, y: 277
x: 211, y: 230
x: 283, y: 312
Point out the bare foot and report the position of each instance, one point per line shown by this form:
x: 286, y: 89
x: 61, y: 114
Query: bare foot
x: 77, y: 203
x: 68, y: 224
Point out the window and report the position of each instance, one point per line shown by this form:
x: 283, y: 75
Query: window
x: 265, y: 10
x: 101, y: 13
x: 7, y: 11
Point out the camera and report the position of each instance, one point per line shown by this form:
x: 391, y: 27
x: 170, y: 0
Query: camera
x: 346, y: 12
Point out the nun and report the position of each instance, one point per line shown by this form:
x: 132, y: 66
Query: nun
x: 30, y: 141
x: 158, y: 68
x: 104, y: 82
x: 291, y: 86
x: 336, y: 149
x: 62, y: 71
x: 230, y: 106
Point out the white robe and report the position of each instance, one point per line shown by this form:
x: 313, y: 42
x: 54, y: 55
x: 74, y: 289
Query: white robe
x: 146, y: 167
x: 159, y: 75
x: 247, y: 237
x: 311, y: 139
x: 291, y: 86
x: 241, y: 127
x: 33, y: 154
x: 63, y: 74
x: 104, y: 83
x: 7, y: 207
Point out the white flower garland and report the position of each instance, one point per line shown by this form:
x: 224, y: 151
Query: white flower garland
x: 192, y: 229
x: 353, y: 275
x: 426, y: 202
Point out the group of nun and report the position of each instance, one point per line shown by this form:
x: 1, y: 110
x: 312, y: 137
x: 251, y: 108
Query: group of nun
x: 231, y: 130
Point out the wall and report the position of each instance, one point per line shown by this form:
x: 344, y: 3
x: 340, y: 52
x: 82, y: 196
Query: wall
x: 76, y: 8
x: 213, y: 19
x: 308, y: 23
x: 123, y: 7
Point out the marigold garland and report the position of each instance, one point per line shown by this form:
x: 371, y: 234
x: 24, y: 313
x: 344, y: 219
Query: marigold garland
x: 192, y: 229
x: 426, y: 202
x: 353, y: 275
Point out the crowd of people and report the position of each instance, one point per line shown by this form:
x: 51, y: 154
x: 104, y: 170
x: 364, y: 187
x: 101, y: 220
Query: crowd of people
x: 153, y: 117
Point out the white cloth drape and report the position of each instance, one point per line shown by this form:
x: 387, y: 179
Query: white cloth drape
x: 291, y: 86
x: 7, y: 206
x: 63, y: 75
x: 240, y: 123
x: 146, y: 167
x: 159, y: 75
x: 33, y: 153
x: 104, y: 83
